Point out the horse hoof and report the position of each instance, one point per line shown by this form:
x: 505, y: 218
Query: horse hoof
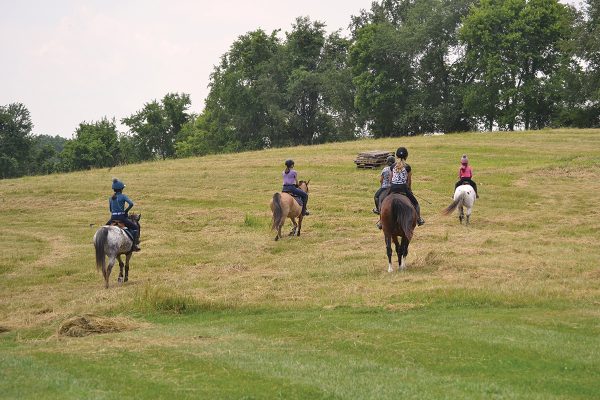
x: 125, y: 280
x: 120, y: 280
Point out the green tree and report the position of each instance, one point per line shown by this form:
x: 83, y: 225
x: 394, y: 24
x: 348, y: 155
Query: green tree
x: 383, y: 76
x: 45, y: 154
x: 512, y: 51
x: 590, y: 53
x: 156, y: 127
x: 243, y: 108
x: 95, y: 145
x: 15, y: 140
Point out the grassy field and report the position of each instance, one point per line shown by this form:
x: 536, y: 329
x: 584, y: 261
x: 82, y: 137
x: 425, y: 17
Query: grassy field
x: 215, y: 308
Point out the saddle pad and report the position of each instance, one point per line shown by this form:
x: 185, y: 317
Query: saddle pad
x: 297, y: 198
x: 128, y: 233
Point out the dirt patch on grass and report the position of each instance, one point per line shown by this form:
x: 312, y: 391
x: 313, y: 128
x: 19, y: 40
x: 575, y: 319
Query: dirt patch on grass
x: 4, y: 329
x: 86, y: 325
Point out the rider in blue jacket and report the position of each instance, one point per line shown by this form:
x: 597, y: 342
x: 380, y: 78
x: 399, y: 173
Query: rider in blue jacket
x: 118, y: 212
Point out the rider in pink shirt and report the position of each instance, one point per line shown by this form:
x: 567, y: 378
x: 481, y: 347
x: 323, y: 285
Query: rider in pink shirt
x: 465, y: 174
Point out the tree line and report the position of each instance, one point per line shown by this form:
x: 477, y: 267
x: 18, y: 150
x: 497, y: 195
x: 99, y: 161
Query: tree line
x: 408, y: 67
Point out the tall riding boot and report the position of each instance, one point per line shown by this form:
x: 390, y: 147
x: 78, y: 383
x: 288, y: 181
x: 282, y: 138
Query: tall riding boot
x: 420, y: 221
x: 136, y: 243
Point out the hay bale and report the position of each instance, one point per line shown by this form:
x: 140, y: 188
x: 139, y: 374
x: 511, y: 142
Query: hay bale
x: 91, y: 324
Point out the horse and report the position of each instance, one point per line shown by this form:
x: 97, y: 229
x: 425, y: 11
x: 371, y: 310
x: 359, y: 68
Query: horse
x: 464, y: 196
x: 398, y: 218
x: 284, y: 205
x: 111, y: 241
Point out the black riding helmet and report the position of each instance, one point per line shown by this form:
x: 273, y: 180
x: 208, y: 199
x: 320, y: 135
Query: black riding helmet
x: 289, y: 163
x: 402, y: 153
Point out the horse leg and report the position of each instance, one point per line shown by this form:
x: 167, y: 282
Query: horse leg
x: 399, y: 253
x: 109, y: 267
x: 300, y: 218
x: 468, y: 215
x: 293, y: 231
x: 461, y: 214
x: 388, y: 249
x: 127, y: 258
x: 404, y: 251
x: 121, y: 265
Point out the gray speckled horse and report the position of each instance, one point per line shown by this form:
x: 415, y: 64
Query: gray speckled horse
x: 112, y: 242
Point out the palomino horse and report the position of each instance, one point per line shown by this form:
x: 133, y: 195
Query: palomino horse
x: 112, y: 242
x: 464, y: 196
x: 283, y: 205
x: 398, y: 218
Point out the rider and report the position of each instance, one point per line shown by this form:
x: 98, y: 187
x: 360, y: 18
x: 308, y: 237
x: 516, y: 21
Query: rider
x: 118, y: 212
x: 465, y: 174
x: 402, y: 181
x: 290, y: 184
x: 385, y: 179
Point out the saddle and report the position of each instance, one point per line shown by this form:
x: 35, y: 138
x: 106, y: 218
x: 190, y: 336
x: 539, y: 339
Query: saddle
x: 124, y: 228
x: 296, y: 197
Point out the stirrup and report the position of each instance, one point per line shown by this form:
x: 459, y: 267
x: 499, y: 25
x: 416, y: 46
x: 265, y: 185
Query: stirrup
x: 375, y: 211
x: 420, y: 221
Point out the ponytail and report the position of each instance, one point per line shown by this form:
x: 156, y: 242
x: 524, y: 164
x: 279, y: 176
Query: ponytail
x: 400, y: 163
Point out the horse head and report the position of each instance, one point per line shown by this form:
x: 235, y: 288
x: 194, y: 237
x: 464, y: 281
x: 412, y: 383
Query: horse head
x: 304, y: 185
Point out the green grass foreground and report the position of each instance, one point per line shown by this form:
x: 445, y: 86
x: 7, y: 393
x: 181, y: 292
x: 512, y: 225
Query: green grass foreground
x: 508, y: 308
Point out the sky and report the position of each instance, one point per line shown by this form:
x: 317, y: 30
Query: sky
x: 70, y: 61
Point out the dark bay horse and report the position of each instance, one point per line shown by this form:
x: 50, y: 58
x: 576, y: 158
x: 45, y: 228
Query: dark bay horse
x: 112, y: 241
x: 398, y: 218
x: 283, y: 205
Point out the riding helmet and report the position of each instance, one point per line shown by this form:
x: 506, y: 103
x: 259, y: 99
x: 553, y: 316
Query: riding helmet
x: 289, y: 163
x: 390, y: 160
x: 117, y: 184
x: 464, y: 160
x: 402, y: 153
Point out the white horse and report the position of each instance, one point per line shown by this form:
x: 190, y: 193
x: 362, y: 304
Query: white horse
x: 112, y: 242
x: 464, y: 196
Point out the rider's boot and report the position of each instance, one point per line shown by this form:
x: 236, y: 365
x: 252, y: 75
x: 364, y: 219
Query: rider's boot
x: 136, y: 244
x: 420, y: 221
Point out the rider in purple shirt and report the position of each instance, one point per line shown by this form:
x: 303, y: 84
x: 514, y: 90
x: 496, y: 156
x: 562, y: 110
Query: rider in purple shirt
x: 290, y: 184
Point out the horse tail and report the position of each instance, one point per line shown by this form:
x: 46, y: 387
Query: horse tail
x: 402, y: 215
x: 448, y: 210
x: 277, y: 211
x: 405, y: 217
x: 99, y: 244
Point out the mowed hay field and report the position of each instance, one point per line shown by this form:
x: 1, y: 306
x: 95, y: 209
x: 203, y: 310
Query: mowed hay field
x: 508, y: 307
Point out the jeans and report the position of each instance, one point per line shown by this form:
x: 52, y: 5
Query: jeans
x: 377, y: 194
x: 298, y: 192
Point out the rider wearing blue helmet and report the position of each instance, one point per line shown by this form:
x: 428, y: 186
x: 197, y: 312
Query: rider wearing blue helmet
x: 118, y: 212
